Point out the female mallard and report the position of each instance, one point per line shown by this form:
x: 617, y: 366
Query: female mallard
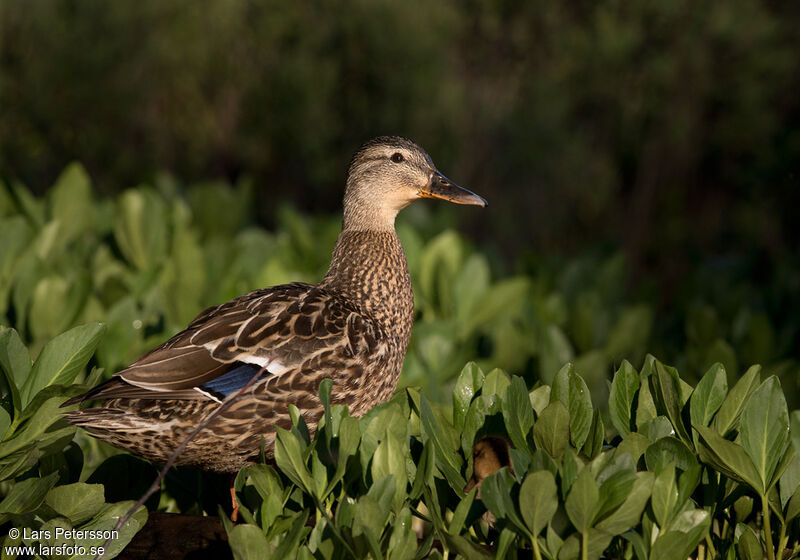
x: 353, y: 327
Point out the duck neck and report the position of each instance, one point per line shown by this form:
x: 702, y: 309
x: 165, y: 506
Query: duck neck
x: 369, y: 268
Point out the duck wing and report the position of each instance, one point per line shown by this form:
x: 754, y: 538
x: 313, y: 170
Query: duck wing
x: 280, y: 329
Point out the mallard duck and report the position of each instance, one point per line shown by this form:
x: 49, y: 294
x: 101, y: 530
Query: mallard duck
x: 352, y: 327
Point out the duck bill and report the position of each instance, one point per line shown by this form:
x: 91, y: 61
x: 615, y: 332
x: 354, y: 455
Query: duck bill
x: 441, y: 187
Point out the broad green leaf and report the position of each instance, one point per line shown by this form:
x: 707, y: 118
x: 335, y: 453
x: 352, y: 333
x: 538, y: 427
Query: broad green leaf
x: 481, y: 406
x: 580, y: 410
x: 349, y: 437
x: 669, y: 449
x: 140, y: 228
x: 551, y: 431
x: 598, y: 541
x: 63, y: 358
x: 594, y: 443
x: 748, y: 547
x: 665, y: 495
x: 560, y: 387
x: 248, y: 542
x: 468, y: 383
x: 540, y: 398
x: 71, y: 202
x: 730, y: 411
x: 106, y: 519
x: 14, y: 359
x: 666, y: 389
x: 389, y: 459
x: 613, y: 491
x: 289, y: 458
x: 403, y: 542
x: 657, y: 428
x: 709, y: 394
x: 446, y: 458
x: 517, y: 413
x: 291, y: 539
x: 764, y: 430
x: 621, y: 397
x: 496, y: 494
x: 634, y: 445
x: 77, y: 502
x: 25, y: 496
x: 727, y: 457
x: 790, y: 479
x: 496, y: 383
x: 538, y: 500
x: 583, y: 501
x: 35, y: 420
x: 629, y: 513
x: 460, y: 514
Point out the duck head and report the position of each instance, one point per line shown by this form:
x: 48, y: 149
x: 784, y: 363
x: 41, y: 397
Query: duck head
x: 387, y: 174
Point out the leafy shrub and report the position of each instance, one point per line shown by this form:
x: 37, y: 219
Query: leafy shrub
x: 39, y: 464
x: 147, y: 261
x: 678, y: 469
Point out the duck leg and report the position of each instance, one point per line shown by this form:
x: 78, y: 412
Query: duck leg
x: 234, y: 503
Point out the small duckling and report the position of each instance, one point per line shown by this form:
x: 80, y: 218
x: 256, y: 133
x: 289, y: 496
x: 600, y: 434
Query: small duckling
x: 489, y: 455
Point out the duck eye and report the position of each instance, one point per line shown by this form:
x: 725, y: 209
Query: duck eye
x: 397, y: 157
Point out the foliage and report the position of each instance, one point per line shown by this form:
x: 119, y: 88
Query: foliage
x: 648, y: 466
x: 666, y: 128
x: 40, y: 467
x: 678, y: 469
x: 149, y: 260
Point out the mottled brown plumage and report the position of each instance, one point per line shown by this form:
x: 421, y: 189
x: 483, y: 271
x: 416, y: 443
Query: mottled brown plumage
x: 353, y: 327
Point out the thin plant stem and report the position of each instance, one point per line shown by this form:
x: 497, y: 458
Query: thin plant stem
x: 585, y: 545
x: 712, y: 552
x: 174, y: 456
x: 767, y: 528
x: 537, y: 555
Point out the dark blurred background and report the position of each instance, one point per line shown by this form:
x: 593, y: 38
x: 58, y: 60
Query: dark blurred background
x: 667, y: 130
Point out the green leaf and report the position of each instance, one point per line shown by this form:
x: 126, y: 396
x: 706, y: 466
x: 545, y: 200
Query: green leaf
x: 248, y: 542
x: 349, y: 437
x: 634, y: 445
x: 727, y: 457
x: 63, y: 358
x: 389, y: 459
x: 579, y: 406
x: 467, y: 385
x: 669, y: 449
x: 496, y: 494
x: 77, y: 502
x: 538, y: 500
x: 764, y: 430
x: 665, y: 495
x: 666, y: 390
x: 517, y: 413
x: 25, y: 496
x: 629, y: 513
x: 106, y: 520
x: 496, y: 383
x: 15, y: 361
x: 551, y: 431
x: 748, y: 547
x: 289, y: 458
x: 446, y: 458
x: 727, y: 418
x: 597, y: 541
x: 709, y: 395
x: 460, y: 514
x: 621, y: 398
x: 594, y: 443
x: 583, y: 501
x: 689, y: 528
